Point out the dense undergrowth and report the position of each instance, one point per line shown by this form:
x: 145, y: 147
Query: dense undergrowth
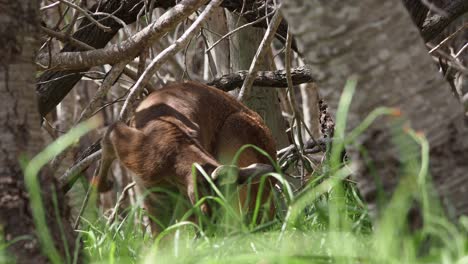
x: 325, y: 222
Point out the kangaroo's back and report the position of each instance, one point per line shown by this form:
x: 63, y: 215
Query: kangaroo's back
x: 197, y: 107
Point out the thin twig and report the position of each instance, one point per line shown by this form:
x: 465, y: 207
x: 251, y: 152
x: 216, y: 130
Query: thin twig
x: 461, y: 50
x: 118, y: 100
x: 66, y: 38
x: 118, y: 20
x: 237, y: 29
x: 65, y: 181
x: 452, y: 62
x: 110, y: 79
x: 119, y: 202
x: 77, y: 73
x: 86, y: 25
x: 133, y: 74
x: 89, y: 110
x: 83, y: 205
x: 260, y: 55
x: 209, y: 57
x: 448, y: 38
x: 87, y: 15
x: 73, y: 21
x: 292, y: 100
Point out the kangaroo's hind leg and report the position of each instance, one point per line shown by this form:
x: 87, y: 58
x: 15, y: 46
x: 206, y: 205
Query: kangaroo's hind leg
x: 119, y: 141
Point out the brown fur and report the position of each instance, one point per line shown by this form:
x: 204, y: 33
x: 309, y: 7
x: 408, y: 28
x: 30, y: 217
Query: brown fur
x: 179, y: 125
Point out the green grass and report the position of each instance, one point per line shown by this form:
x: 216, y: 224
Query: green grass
x: 327, y: 222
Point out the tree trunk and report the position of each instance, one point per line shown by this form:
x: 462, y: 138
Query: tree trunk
x: 217, y: 26
x: 21, y: 136
x: 264, y: 101
x: 377, y: 41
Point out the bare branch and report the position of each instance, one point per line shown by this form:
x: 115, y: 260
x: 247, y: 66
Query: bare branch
x: 451, y: 60
x: 451, y: 36
x: 122, y: 197
x: 118, y: 20
x: 128, y: 49
x: 437, y: 23
x: 65, y: 38
x: 275, y: 79
x: 110, y: 79
x: 43, y: 8
x: 70, y: 176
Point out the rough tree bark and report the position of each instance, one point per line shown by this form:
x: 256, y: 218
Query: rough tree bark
x: 264, y: 101
x: 20, y: 135
x: 216, y: 25
x: 377, y: 41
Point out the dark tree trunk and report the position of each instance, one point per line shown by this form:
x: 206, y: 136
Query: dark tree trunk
x: 20, y: 137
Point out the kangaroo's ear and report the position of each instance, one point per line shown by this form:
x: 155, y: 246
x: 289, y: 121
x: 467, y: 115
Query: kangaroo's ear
x: 229, y: 174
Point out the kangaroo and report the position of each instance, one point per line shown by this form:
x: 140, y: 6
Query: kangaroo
x: 182, y: 124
